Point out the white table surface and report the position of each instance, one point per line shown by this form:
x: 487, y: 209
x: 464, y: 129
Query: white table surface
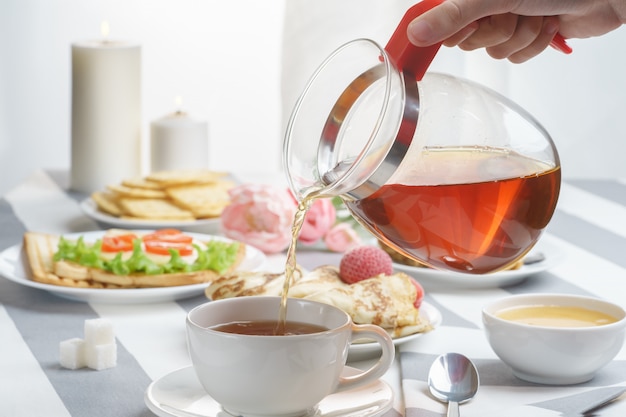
x: 589, y: 227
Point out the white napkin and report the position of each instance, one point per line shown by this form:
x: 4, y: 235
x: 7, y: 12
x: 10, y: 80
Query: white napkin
x: 570, y: 406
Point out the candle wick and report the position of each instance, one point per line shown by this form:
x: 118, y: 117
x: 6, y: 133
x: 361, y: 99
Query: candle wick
x: 178, y: 104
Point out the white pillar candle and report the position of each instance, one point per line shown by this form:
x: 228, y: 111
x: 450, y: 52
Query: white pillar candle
x: 179, y: 142
x: 106, y: 114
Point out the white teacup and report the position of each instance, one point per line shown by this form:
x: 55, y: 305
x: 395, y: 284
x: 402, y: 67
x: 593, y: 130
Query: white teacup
x: 279, y: 376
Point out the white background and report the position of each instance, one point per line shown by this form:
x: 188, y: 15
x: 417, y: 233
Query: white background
x: 225, y: 59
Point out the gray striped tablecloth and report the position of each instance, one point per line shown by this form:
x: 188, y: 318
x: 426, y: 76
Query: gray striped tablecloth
x: 589, y: 226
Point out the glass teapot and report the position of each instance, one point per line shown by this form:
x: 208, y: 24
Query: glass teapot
x: 443, y: 170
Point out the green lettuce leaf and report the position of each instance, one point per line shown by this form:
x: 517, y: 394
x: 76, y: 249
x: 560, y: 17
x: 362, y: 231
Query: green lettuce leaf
x: 80, y: 253
x: 218, y: 256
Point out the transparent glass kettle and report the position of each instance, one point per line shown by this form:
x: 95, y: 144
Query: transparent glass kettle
x: 441, y: 169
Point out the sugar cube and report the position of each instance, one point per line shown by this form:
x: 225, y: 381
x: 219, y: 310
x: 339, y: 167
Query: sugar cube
x: 99, y: 332
x: 72, y: 353
x: 102, y: 356
x: 97, y: 351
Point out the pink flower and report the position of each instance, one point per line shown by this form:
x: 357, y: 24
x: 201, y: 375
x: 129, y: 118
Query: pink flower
x: 318, y: 220
x: 342, y: 238
x: 261, y: 216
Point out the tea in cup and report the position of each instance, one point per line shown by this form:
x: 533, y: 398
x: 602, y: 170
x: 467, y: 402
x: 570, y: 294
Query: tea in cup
x: 251, y: 371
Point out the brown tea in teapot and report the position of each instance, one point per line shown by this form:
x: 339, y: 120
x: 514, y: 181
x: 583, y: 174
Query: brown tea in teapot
x: 472, y: 223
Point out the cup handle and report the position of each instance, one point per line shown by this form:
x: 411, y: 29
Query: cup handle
x: 370, y: 331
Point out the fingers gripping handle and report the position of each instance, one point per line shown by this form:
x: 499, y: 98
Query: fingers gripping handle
x: 416, y: 60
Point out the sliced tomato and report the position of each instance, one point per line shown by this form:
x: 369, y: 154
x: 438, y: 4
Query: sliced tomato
x: 119, y: 243
x: 161, y: 241
x: 168, y: 235
x: 160, y: 247
x: 170, y: 231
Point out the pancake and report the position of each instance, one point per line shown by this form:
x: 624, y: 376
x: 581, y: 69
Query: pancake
x: 384, y: 300
x: 242, y: 284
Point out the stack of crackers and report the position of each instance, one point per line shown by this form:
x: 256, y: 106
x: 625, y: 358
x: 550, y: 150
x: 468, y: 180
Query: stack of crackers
x: 180, y: 195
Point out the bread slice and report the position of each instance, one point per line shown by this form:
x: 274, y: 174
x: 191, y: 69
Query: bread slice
x: 71, y: 270
x: 41, y: 247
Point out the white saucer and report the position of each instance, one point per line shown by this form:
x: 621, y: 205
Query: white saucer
x: 433, y: 279
x: 179, y: 394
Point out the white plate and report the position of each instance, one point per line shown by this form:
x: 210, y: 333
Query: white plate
x: 433, y: 279
x: 179, y: 394
x: 90, y: 208
x: 13, y: 266
x: 362, y: 351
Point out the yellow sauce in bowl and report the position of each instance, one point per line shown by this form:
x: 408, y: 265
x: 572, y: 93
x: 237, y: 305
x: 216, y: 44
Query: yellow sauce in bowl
x: 556, y: 316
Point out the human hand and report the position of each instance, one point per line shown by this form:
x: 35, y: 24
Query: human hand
x: 514, y: 29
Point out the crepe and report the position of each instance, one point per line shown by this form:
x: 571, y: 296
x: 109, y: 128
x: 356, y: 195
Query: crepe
x: 384, y: 300
x: 242, y: 284
x: 321, y: 279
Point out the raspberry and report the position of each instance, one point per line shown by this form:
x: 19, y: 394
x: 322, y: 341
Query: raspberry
x: 420, y: 294
x: 364, y: 262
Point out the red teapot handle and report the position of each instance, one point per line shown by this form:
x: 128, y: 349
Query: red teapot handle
x: 406, y: 56
x: 416, y: 60
x: 559, y: 43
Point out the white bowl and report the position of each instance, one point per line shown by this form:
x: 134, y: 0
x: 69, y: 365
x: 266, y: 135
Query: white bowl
x: 554, y: 355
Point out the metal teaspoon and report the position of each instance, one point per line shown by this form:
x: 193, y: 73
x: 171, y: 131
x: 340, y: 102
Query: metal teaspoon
x: 453, y: 378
